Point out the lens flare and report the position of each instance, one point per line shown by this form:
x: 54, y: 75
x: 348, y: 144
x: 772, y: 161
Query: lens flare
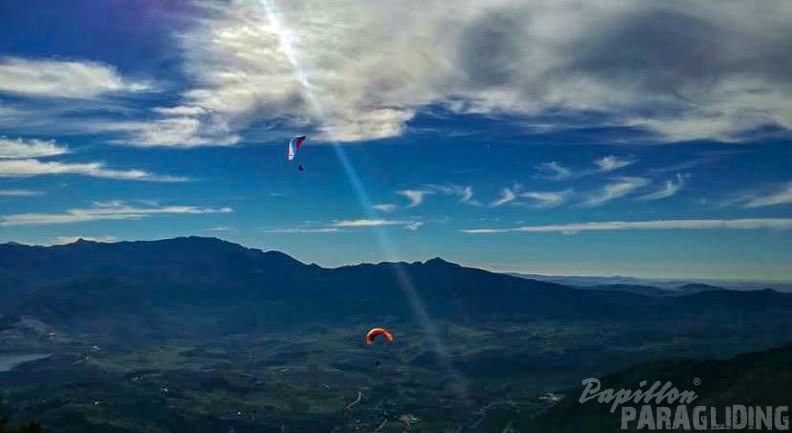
x: 288, y: 43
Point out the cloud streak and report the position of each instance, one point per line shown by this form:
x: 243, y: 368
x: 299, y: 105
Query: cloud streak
x: 507, y: 196
x: 62, y: 79
x: 19, y: 158
x: 34, y: 167
x: 415, y: 196
x: 698, y: 224
x: 369, y: 223
x: 19, y: 193
x: 621, y: 187
x: 610, y: 163
x: 670, y: 188
x: 554, y: 170
x: 346, y: 225
x: 19, y: 148
x: 105, y: 211
x: 304, y: 230
x: 545, y: 199
x: 385, y: 207
x: 781, y: 195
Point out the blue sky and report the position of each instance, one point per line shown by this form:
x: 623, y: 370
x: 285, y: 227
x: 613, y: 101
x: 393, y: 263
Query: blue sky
x: 624, y: 138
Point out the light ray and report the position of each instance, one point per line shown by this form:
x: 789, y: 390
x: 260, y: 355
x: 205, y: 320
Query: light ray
x: 288, y: 43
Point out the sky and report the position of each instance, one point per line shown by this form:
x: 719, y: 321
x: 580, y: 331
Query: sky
x: 636, y: 138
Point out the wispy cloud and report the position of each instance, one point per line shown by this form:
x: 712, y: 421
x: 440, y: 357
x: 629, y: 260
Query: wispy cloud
x: 554, y: 170
x: 547, y: 199
x: 19, y: 158
x: 621, y: 187
x: 222, y: 229
x: 414, y: 226
x: 34, y: 167
x: 699, y: 224
x: 610, y: 163
x: 464, y: 193
x: 779, y: 195
x: 62, y: 79
x: 670, y: 188
x: 65, y: 240
x: 385, y: 207
x: 369, y: 223
x: 114, y: 210
x: 20, y: 149
x: 345, y: 225
x: 304, y: 230
x: 181, y: 131
x: 19, y: 193
x: 182, y: 110
x: 416, y: 196
x: 507, y: 196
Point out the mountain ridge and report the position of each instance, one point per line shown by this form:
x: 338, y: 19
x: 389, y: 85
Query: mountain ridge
x: 198, y: 286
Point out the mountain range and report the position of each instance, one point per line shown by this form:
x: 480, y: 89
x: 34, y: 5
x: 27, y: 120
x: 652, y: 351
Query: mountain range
x: 197, y: 286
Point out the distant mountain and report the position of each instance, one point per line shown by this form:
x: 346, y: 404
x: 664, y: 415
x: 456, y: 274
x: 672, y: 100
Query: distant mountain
x: 190, y: 287
x: 588, y: 281
x: 752, y: 379
x: 632, y: 288
x: 570, y: 280
x: 697, y: 288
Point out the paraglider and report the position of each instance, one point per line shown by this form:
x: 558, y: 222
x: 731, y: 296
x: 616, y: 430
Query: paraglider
x: 376, y: 332
x: 294, y: 145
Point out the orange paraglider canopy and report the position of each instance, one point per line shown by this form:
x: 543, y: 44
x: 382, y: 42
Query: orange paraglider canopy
x: 376, y: 332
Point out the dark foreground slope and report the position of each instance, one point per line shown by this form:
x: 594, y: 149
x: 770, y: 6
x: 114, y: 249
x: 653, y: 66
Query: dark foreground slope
x: 754, y: 379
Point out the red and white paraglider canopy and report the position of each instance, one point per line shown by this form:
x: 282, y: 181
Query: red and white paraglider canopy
x: 294, y: 146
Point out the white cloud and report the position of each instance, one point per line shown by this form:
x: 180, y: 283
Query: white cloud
x: 414, y: 226
x: 781, y: 195
x: 371, y: 66
x: 464, y: 193
x: 19, y: 148
x: 114, y: 211
x: 669, y: 189
x: 65, y: 240
x: 180, y: 132
x: 220, y: 229
x: 621, y: 187
x: 62, y: 79
x: 507, y: 196
x: 343, y: 225
x: 369, y: 223
x: 181, y: 110
x: 34, y: 167
x: 304, y: 230
x: 702, y: 224
x: 385, y: 207
x: 19, y: 193
x: 554, y: 170
x: 547, y: 199
x: 610, y: 163
x: 416, y: 196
